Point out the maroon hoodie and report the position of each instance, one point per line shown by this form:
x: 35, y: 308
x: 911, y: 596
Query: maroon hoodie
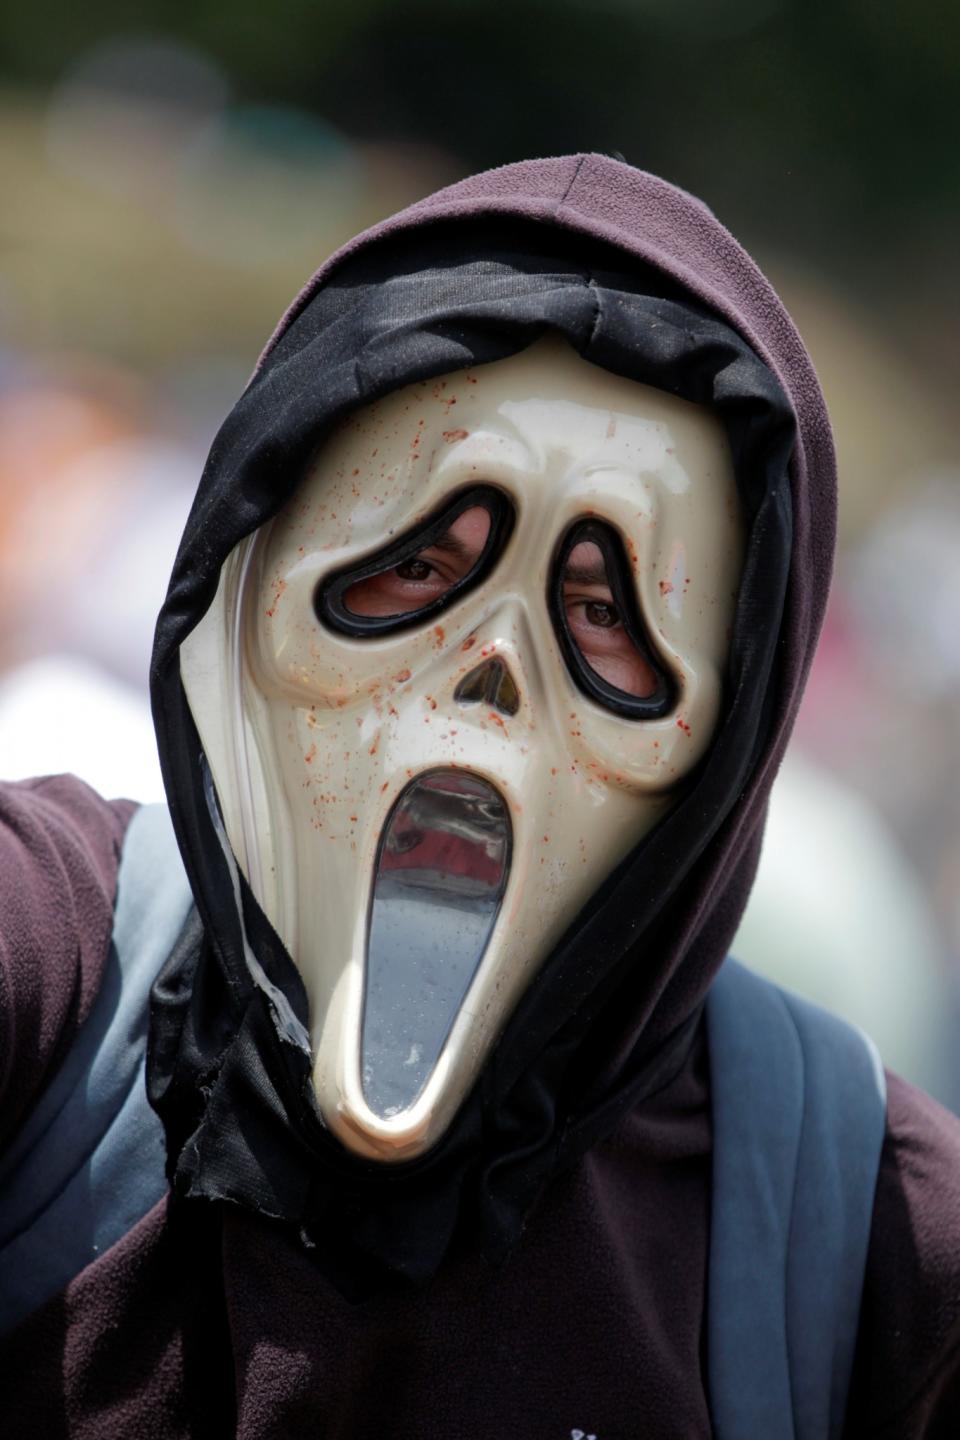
x: 210, y: 1318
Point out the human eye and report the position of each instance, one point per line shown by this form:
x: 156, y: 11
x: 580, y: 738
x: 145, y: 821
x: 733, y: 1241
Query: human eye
x: 599, y: 626
x: 402, y: 589
x: 419, y: 574
x: 595, y: 614
x: 417, y: 569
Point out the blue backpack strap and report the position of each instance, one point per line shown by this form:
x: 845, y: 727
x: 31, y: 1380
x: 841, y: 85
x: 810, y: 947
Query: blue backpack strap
x: 89, y: 1162
x: 799, y: 1116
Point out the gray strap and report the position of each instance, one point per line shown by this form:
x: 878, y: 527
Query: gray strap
x: 799, y: 1116
x: 89, y: 1162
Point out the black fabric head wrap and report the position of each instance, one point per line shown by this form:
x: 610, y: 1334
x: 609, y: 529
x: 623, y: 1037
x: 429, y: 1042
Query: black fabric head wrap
x: 592, y: 1035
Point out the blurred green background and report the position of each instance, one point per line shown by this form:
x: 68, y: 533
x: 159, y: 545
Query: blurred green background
x: 172, y: 173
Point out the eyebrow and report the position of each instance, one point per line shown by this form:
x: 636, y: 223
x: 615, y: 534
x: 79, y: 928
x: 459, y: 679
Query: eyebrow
x: 593, y: 574
x: 451, y: 544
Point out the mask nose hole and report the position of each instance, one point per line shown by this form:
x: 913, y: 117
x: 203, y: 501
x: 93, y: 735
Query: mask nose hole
x: 489, y: 684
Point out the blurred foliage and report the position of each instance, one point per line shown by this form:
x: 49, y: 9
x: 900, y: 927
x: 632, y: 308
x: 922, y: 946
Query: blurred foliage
x: 820, y: 119
x: 180, y: 169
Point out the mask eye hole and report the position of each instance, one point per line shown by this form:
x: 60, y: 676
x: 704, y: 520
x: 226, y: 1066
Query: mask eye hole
x: 428, y: 574
x: 414, y: 578
x: 597, y: 619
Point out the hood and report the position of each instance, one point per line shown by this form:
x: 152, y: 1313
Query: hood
x: 642, y: 280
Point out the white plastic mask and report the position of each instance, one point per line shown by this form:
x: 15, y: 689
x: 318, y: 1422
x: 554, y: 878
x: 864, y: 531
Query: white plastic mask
x: 448, y: 689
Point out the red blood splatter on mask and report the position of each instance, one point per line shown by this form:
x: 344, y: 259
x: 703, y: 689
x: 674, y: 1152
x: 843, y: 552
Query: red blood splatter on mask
x: 451, y: 435
x: 665, y: 587
x: 279, y: 585
x: 469, y: 643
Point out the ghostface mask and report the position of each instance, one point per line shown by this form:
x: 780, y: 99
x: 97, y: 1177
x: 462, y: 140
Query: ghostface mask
x: 445, y: 692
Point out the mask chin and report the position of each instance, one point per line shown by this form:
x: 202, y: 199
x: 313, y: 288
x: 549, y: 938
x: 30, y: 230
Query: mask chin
x: 424, y: 804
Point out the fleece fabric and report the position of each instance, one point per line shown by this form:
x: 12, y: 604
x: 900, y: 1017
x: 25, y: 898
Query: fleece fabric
x: 61, y: 852
x: 207, y: 1322
x: 585, y: 1315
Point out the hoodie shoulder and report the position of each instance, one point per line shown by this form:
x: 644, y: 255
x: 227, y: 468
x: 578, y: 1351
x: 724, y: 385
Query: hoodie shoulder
x: 907, y: 1374
x: 60, y: 847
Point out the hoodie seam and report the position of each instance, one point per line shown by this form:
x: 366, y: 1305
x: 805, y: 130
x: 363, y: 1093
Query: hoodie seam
x: 573, y: 180
x: 597, y: 310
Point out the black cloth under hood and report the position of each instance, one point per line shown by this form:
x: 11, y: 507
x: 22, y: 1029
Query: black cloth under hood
x: 610, y: 1016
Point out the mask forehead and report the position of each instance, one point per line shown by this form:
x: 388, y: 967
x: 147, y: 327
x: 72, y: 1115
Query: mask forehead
x: 564, y: 439
x: 332, y: 734
x: 543, y: 414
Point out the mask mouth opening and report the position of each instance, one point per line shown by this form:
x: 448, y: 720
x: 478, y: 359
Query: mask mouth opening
x: 442, y: 868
